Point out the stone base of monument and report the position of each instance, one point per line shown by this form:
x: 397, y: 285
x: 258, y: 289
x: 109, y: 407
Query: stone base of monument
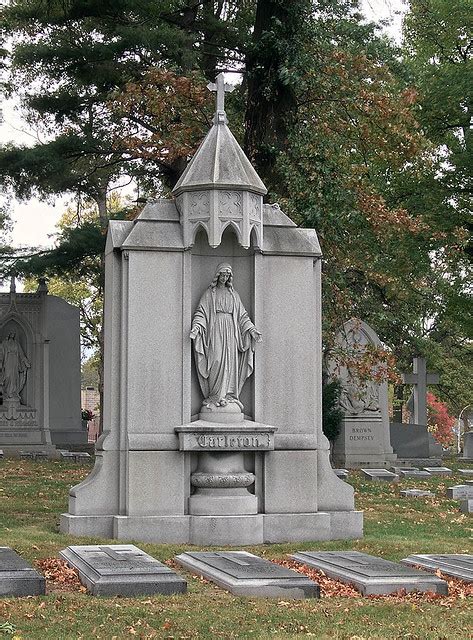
x: 362, y: 443
x: 219, y: 530
x: 245, y: 574
x: 37, y: 451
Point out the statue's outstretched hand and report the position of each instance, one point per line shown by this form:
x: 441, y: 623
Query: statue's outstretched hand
x: 256, y: 335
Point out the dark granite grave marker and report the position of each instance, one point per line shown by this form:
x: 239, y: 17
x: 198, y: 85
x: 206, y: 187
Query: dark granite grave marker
x: 245, y: 574
x: 452, y: 564
x: 121, y: 570
x: 369, y: 574
x: 17, y: 577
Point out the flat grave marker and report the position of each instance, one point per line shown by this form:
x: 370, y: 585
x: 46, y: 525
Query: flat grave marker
x: 466, y: 472
x: 369, y: 574
x: 414, y: 474
x: 405, y: 468
x: 245, y: 574
x: 17, y: 577
x: 341, y: 473
x: 416, y: 493
x: 460, y: 492
x: 121, y: 570
x: 380, y: 475
x: 457, y: 565
x: 438, y: 471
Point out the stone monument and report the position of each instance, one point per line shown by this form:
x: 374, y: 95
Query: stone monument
x: 413, y: 441
x: 212, y: 412
x: 39, y: 372
x: 364, y: 437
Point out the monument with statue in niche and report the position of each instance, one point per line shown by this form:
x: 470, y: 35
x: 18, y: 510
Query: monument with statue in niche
x: 39, y: 373
x: 212, y: 413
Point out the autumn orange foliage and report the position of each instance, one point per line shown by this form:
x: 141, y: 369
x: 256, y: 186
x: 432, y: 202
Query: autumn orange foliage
x: 440, y: 422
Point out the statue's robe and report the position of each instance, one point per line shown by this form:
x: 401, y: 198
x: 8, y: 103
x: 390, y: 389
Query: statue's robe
x: 224, y: 347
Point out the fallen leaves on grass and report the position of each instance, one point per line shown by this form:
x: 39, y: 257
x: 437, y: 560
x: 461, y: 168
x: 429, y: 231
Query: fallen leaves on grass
x: 59, y: 576
x: 329, y: 588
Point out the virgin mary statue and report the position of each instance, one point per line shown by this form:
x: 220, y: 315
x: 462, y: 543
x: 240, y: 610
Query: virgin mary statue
x: 224, y: 341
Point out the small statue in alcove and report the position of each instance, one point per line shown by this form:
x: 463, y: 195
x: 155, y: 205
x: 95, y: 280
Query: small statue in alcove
x: 224, y: 341
x: 13, y: 367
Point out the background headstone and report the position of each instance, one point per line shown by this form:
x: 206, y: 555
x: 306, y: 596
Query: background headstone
x: 364, y: 437
x: 412, y: 440
x: 46, y: 411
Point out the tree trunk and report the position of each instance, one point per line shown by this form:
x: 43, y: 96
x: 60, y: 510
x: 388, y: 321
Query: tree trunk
x: 270, y: 63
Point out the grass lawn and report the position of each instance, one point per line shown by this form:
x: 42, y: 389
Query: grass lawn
x: 33, y: 494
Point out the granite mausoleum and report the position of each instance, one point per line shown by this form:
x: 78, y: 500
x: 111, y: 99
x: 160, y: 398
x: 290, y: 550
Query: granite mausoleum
x: 212, y: 413
x: 364, y: 437
x: 39, y: 372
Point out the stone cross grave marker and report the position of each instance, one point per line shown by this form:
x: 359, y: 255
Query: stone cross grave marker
x: 452, y: 564
x: 369, y: 574
x: 125, y: 570
x: 221, y: 87
x: 17, y: 577
x: 245, y: 574
x: 419, y: 379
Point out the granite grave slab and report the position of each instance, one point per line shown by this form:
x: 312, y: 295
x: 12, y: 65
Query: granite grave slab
x: 414, y: 474
x: 369, y: 574
x: 466, y: 472
x: 452, y: 564
x: 397, y: 469
x: 460, y: 492
x: 416, y: 493
x: 121, y: 570
x: 380, y: 475
x: 243, y: 573
x: 438, y: 471
x: 17, y: 577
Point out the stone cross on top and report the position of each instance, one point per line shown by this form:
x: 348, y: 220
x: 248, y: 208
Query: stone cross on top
x: 420, y: 379
x: 221, y: 87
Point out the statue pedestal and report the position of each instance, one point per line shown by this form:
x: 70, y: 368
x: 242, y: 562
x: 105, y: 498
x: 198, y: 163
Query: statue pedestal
x: 222, y: 484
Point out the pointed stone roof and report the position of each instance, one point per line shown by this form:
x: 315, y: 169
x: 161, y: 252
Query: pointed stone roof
x: 220, y: 162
